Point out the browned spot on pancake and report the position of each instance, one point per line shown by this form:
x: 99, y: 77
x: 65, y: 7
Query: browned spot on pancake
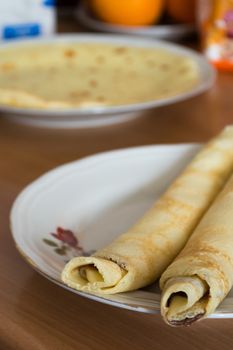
x: 170, y: 205
x: 120, y: 50
x: 69, y: 53
x: 198, y: 172
x: 183, y: 70
x: 100, y: 59
x: 148, y: 244
x: 8, y: 66
x: 205, y: 261
x: 211, y: 250
x: 101, y: 99
x: 204, y: 248
x: 80, y: 94
x: 164, y: 66
x: 93, y: 83
x: 178, y: 185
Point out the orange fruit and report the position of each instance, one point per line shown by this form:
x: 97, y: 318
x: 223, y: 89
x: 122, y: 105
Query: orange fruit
x: 128, y: 12
x: 182, y: 10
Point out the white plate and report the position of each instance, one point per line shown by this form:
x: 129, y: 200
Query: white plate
x: 97, y: 198
x: 158, y: 31
x: 99, y: 116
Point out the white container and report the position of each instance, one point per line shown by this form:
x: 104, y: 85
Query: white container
x: 26, y: 18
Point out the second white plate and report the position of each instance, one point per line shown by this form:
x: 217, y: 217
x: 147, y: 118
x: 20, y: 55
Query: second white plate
x: 82, y: 206
x: 105, y: 115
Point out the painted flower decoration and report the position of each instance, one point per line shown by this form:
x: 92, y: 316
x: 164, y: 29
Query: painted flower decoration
x: 66, y: 236
x: 66, y: 244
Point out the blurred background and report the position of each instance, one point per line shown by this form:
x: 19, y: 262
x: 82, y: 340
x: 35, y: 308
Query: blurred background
x: 206, y: 23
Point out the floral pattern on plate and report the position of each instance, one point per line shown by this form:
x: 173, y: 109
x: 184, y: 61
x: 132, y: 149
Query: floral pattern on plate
x: 66, y: 244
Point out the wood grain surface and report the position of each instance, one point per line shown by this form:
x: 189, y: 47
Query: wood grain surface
x: 35, y: 313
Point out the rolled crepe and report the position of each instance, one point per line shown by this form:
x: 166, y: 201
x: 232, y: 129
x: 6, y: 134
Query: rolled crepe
x: 139, y: 256
x: 202, y: 274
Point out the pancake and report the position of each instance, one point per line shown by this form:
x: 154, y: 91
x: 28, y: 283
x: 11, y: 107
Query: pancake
x: 202, y: 275
x: 87, y: 75
x: 139, y: 256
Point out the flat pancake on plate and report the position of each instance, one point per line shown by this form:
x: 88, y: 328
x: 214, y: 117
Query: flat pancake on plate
x: 89, y: 74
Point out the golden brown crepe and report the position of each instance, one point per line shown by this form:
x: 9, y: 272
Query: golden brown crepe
x: 202, y: 274
x: 139, y: 256
x: 86, y: 75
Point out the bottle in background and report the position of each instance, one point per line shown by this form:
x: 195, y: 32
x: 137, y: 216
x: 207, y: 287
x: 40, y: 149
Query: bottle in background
x: 216, y: 26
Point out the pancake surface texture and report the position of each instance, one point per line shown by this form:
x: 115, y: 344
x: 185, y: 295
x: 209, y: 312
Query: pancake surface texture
x: 86, y: 75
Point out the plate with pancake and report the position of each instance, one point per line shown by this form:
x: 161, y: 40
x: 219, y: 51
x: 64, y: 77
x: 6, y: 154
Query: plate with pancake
x: 90, y: 80
x: 79, y: 207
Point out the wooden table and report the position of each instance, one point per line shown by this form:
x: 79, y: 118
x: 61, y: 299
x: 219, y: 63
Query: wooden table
x: 35, y: 313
